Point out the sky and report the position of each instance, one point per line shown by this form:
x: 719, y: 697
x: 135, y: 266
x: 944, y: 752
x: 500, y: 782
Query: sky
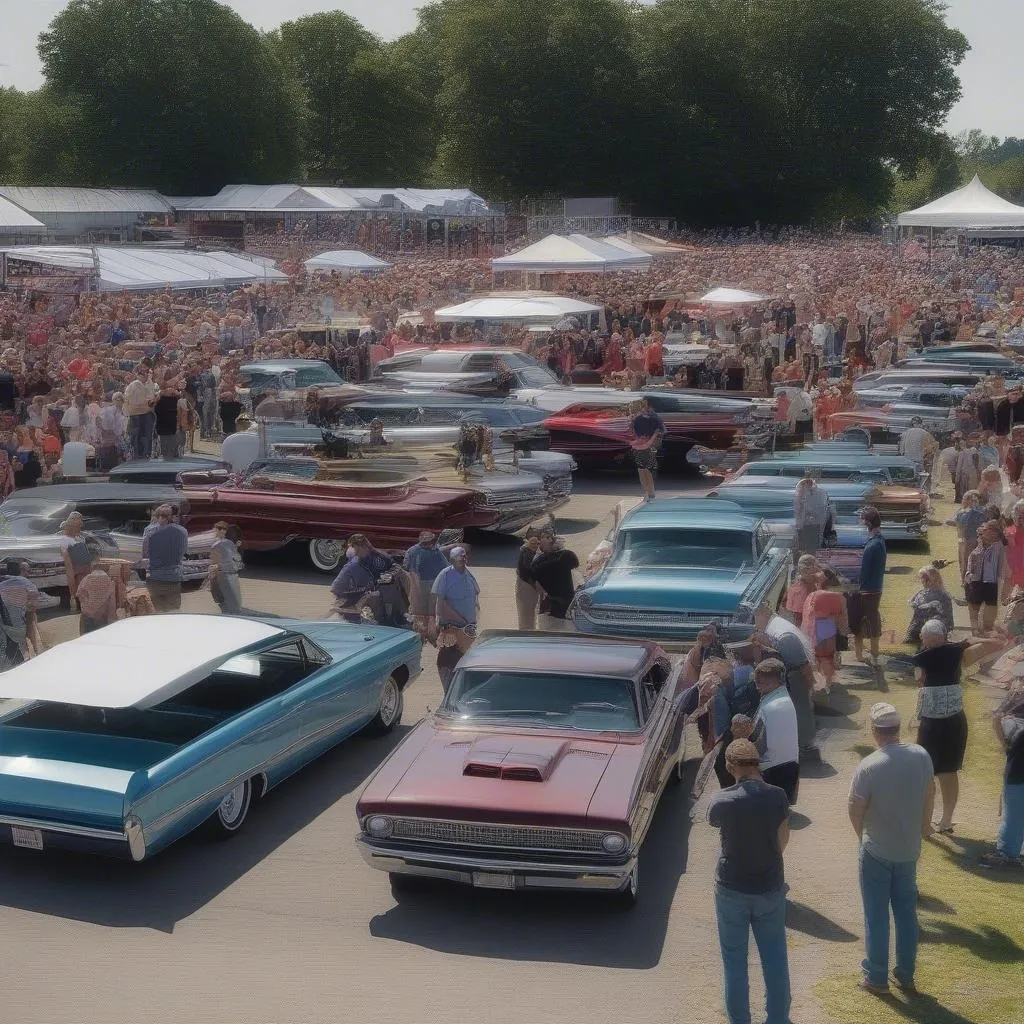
x: 992, y: 74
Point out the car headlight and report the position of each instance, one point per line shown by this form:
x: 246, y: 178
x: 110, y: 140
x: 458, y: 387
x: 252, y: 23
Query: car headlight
x: 613, y: 842
x: 583, y: 602
x: 379, y: 826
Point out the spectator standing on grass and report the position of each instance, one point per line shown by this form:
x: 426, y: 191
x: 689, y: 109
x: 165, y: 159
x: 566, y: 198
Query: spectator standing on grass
x: 164, y: 545
x: 987, y: 578
x: 967, y: 519
x: 775, y: 729
x: 865, y: 615
x: 890, y: 806
x: 1008, y: 722
x: 750, y: 895
x: 552, y: 571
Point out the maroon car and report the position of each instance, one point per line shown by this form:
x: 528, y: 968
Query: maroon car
x: 274, y: 511
x: 541, y: 769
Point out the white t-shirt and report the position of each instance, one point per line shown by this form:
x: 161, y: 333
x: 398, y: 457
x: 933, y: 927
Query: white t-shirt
x: 775, y: 730
x: 241, y: 450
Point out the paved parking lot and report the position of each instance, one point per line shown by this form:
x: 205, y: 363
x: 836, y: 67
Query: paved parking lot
x: 286, y: 924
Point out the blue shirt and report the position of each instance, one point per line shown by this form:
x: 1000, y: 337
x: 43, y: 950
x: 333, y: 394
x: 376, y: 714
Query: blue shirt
x: 872, y: 566
x: 165, y: 545
x: 459, y: 590
x: 425, y: 563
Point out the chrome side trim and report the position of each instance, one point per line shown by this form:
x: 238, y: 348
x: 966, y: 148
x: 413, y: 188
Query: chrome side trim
x: 65, y: 829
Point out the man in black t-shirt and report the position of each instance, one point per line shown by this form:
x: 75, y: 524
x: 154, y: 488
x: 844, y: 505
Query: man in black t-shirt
x: 166, y: 410
x: 552, y: 572
x: 750, y: 892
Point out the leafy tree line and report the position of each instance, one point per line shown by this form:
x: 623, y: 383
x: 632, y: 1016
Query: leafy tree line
x: 710, y: 110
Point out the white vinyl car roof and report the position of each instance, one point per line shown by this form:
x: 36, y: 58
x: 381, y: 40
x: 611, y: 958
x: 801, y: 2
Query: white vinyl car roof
x: 137, y: 662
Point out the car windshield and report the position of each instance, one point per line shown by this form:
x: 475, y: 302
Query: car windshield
x: 673, y: 547
x: 542, y: 700
x: 28, y: 526
x: 536, y: 377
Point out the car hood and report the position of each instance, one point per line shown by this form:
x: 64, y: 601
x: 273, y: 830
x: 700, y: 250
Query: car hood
x: 699, y: 589
x: 32, y: 546
x: 442, y: 772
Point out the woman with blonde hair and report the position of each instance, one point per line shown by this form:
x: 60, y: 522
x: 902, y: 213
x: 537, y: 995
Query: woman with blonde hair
x: 932, y: 601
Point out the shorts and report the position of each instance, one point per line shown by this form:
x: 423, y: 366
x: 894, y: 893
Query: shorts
x: 646, y: 458
x: 865, y: 619
x: 982, y: 593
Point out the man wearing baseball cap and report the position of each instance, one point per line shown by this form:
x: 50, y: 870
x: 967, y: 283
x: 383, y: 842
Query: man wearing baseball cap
x: 750, y: 892
x: 891, y: 802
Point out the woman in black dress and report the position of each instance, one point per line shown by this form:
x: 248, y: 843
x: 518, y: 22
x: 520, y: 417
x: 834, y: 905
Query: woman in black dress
x: 942, y: 729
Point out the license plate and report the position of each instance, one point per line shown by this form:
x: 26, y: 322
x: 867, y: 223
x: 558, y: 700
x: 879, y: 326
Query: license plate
x: 493, y: 880
x: 30, y: 838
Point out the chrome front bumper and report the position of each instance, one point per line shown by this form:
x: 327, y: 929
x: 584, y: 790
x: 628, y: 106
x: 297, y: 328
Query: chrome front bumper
x: 914, y: 530
x: 493, y: 873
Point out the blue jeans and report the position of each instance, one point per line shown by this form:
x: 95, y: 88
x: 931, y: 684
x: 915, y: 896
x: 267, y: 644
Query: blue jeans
x: 885, y: 883
x: 140, y: 434
x: 1011, y: 831
x: 739, y: 914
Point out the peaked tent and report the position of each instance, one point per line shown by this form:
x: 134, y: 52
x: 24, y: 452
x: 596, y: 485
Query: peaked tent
x: 574, y: 254
x: 535, y: 309
x: 348, y: 259
x: 972, y: 207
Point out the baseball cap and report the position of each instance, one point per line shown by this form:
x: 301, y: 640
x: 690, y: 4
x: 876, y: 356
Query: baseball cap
x: 884, y: 716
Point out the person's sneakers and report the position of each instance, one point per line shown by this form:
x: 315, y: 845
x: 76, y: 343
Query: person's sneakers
x: 908, y: 988
x: 811, y: 755
x: 998, y: 860
x: 875, y: 990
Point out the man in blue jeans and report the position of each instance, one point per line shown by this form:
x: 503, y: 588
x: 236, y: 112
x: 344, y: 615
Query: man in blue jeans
x: 891, y: 800
x: 750, y: 894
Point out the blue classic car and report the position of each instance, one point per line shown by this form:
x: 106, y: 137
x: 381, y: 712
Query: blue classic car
x: 852, y: 465
x: 678, y: 564
x: 126, y: 739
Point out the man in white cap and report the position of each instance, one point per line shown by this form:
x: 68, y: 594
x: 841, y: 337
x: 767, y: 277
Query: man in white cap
x: 456, y: 600
x: 891, y: 800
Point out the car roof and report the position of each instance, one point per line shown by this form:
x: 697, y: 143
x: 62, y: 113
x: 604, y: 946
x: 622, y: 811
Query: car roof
x: 61, y: 494
x: 283, y: 364
x: 705, y: 512
x: 812, y: 457
x: 136, y: 662
x: 594, y: 656
x: 787, y: 485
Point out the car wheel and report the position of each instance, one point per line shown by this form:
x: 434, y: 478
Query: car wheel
x: 326, y: 555
x: 626, y: 897
x: 389, y: 711
x: 232, y: 811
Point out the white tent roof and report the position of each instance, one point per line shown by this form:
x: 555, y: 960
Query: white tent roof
x: 648, y: 244
x: 136, y: 268
x: 346, y: 259
x: 537, y: 309
x: 972, y: 206
x: 15, y: 220
x: 732, y: 297
x: 330, y: 199
x: 61, y: 199
x: 102, y: 668
x: 575, y: 253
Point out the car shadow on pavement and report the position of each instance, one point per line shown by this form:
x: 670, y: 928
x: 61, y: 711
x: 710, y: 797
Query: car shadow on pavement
x: 554, y: 927
x: 179, y: 881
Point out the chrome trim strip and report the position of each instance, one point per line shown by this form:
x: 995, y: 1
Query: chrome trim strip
x: 65, y: 829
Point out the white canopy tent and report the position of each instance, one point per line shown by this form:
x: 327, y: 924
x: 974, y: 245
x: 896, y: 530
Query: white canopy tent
x: 970, y: 208
x: 575, y: 254
x: 532, y: 309
x: 16, y: 221
x: 140, y: 269
x: 733, y: 297
x: 351, y: 260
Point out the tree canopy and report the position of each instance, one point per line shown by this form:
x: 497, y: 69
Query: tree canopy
x: 708, y: 110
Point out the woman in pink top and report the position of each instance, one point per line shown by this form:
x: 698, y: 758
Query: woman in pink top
x: 808, y: 573
x: 825, y: 619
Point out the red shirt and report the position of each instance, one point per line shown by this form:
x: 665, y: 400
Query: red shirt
x: 1015, y: 554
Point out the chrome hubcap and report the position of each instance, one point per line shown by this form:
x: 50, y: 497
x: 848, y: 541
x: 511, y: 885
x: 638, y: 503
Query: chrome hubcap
x: 233, y: 805
x: 389, y: 702
x: 327, y: 553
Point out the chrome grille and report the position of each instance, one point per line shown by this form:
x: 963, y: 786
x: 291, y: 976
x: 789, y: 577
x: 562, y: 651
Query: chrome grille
x: 613, y: 614
x: 461, y: 833
x: 518, y: 500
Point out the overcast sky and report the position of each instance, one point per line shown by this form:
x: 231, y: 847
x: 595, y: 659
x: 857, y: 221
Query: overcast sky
x: 992, y: 74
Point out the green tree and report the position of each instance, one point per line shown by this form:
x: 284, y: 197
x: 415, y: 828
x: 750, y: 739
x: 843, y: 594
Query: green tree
x: 182, y: 95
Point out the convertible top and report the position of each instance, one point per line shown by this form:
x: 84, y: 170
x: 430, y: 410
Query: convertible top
x: 137, y: 662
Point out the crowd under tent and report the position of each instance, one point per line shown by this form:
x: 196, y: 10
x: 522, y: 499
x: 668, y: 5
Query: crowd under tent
x: 575, y: 254
x: 73, y: 212
x: 347, y: 260
x: 538, y: 309
x: 131, y: 268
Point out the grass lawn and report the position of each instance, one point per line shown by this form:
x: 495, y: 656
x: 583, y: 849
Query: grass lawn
x: 971, y: 958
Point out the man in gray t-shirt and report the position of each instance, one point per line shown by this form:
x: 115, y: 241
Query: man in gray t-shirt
x: 891, y: 800
x: 164, y: 546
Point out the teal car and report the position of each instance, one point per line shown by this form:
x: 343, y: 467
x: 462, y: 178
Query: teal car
x: 850, y: 465
x: 676, y: 565
x: 126, y: 739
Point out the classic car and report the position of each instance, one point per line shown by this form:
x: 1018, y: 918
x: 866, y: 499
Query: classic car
x: 846, y: 465
x: 387, y: 506
x: 679, y: 563
x: 115, y: 516
x: 285, y: 375
x: 886, y: 424
x: 603, y: 436
x: 931, y: 397
x: 896, y: 381
x: 904, y: 510
x: 541, y: 769
x: 163, y: 471
x: 506, y: 370
x: 103, y: 758
x: 957, y: 358
x: 741, y: 405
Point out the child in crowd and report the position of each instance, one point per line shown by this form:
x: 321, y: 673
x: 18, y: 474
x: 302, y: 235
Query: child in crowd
x: 808, y: 573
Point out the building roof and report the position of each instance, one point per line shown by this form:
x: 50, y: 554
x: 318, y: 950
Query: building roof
x: 137, y: 662
x: 15, y: 220
x: 292, y: 198
x: 44, y: 199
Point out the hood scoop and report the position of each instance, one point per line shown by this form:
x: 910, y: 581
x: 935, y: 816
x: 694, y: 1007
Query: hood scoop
x: 519, y: 760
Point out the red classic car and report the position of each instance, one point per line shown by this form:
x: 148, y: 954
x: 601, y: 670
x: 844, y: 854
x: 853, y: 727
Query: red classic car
x: 541, y: 769
x: 274, y: 511
x: 603, y: 435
